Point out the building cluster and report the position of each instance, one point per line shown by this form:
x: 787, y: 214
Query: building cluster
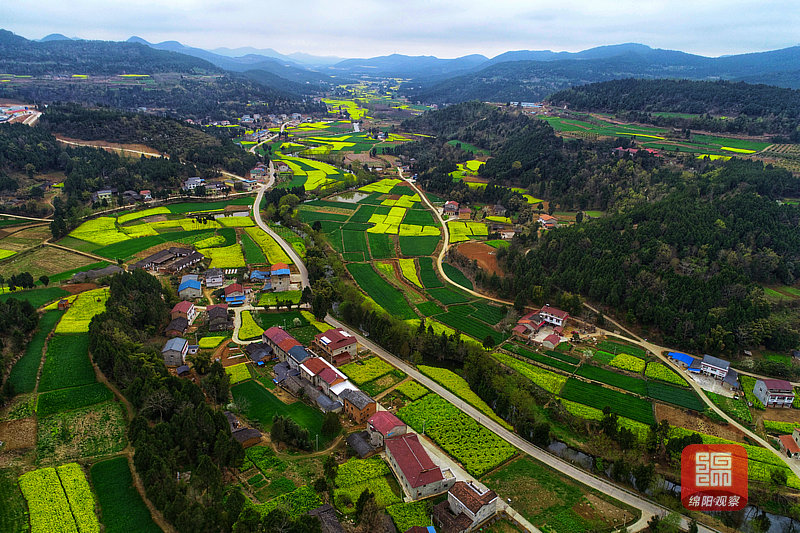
x: 708, y: 365
x: 544, y: 327
x: 172, y: 260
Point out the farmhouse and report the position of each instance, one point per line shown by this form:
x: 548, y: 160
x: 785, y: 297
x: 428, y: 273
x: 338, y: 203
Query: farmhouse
x: 451, y: 207
x: 418, y: 474
x: 465, y: 213
x: 182, y: 263
x: 774, y: 392
x: 217, y: 318
x: 466, y: 508
x: 174, y: 351
x: 358, y: 406
x: 285, y: 347
x: 384, y: 425
x: 190, y: 289
x: 790, y: 444
x: 192, y: 183
x: 279, y: 277
x: 214, y: 278
x: 337, y: 345
x: 146, y: 194
x: 185, y: 310
x: 327, y: 518
x: 553, y: 316
x: 548, y: 221
x: 713, y: 366
x: 551, y: 341
x: 499, y: 210
x: 63, y: 304
x: 234, y: 294
x: 103, y: 194
x: 258, y: 352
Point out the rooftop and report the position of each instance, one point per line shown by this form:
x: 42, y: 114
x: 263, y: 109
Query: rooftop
x: 358, y: 398
x: 554, y: 311
x: 175, y: 343
x: 472, y: 497
x: 789, y: 443
x: 384, y: 421
x: 182, y: 307
x: 413, y: 460
x: 777, y: 384
x: 715, y: 361
x: 190, y: 284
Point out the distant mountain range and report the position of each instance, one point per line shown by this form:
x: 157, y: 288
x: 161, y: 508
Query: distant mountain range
x: 511, y: 76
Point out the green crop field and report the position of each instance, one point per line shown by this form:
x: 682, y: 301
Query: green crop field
x: 67, y: 363
x: 418, y: 246
x: 22, y: 378
x: 252, y: 252
x: 459, y: 319
x: 380, y: 245
x: 419, y: 218
x: 126, y: 249
x: 366, y: 370
x: 489, y: 313
x: 36, y: 297
x: 72, y: 398
x: 121, y: 507
x: 621, y: 381
x: 448, y: 296
x: 427, y: 274
x: 539, y: 358
x: 197, y: 207
x: 429, y: 309
x: 309, y: 217
x: 549, y: 381
x: 77, y: 434
x: 380, y: 290
x: 732, y: 407
x: 677, y: 396
x: 355, y: 241
x: 364, y: 213
x: 456, y: 275
x: 600, y: 397
x: 617, y: 348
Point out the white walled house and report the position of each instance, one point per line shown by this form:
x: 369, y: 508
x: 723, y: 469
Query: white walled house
x: 774, y: 392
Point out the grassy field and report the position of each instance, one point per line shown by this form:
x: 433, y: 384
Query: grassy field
x: 263, y: 405
x: 418, y: 246
x: 44, y: 260
x: 67, y: 363
x: 37, y: 297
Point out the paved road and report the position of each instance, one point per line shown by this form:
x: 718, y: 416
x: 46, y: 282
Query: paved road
x: 290, y: 251
x: 20, y: 217
x: 647, y: 507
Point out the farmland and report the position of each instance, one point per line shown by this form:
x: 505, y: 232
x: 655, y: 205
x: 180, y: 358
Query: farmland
x: 238, y: 372
x: 121, y: 508
x: 601, y: 397
x: 67, y: 363
x: 49, y: 504
x: 72, y: 398
x: 86, y: 306
x: 366, y: 370
x: 379, y: 290
x: 249, y: 330
x: 477, y: 448
x: 545, y: 379
x: 663, y: 373
x: 23, y: 375
x: 458, y: 386
x: 272, y: 250
x: 357, y: 475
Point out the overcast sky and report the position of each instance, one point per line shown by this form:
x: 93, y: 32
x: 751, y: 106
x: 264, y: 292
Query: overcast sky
x: 445, y: 28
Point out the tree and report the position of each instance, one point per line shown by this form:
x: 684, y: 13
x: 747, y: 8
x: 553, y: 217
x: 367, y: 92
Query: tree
x: 331, y: 425
x: 329, y: 467
x: 519, y: 302
x: 45, y: 280
x: 317, y: 225
x: 579, y: 217
x: 489, y: 342
x: 365, y: 496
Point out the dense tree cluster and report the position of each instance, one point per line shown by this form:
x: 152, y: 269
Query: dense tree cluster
x: 686, y: 265
x: 183, y: 445
x: 181, y: 141
x: 748, y: 109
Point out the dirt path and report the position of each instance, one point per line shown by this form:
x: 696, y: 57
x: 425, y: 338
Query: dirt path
x: 85, y: 254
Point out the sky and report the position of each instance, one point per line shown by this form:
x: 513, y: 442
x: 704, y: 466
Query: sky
x: 444, y: 28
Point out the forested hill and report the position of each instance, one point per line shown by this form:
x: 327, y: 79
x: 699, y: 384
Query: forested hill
x: 527, y: 153
x: 747, y: 108
x: 23, y: 57
x: 687, y: 266
x: 179, y: 140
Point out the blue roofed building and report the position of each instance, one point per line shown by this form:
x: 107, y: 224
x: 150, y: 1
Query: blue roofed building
x: 190, y: 289
x: 259, y: 275
x: 684, y: 359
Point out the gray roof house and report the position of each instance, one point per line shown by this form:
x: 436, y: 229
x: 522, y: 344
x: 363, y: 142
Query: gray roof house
x: 174, y: 351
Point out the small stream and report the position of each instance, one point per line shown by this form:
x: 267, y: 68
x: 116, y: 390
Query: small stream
x: 778, y: 523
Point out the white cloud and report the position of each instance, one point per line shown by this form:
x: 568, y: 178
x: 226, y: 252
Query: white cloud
x: 446, y: 28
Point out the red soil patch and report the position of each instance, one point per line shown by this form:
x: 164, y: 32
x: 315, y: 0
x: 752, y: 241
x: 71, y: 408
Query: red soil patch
x: 475, y: 179
x: 680, y: 418
x: 485, y: 255
x: 75, y: 288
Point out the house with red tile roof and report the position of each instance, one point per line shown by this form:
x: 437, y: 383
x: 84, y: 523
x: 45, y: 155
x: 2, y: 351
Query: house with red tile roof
x: 336, y: 345
x: 553, y: 315
x: 548, y: 221
x: 419, y: 476
x: 551, y: 341
x: 185, y: 310
x: 790, y: 444
x: 384, y: 425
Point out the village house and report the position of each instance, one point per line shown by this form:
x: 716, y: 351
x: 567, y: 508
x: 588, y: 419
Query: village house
x: 790, y: 444
x: 358, y: 406
x: 234, y: 294
x: 713, y: 366
x: 451, y: 207
x: 285, y: 347
x: 192, y: 183
x: 182, y: 263
x: 499, y: 210
x: 214, y: 278
x: 553, y: 316
x: 551, y: 341
x: 774, y: 392
x: 190, y: 289
x: 465, y: 213
x: 184, y: 309
x: 176, y: 327
x: 279, y: 277
x: 146, y: 194
x: 174, y: 351
x: 103, y: 194
x: 63, y: 304
x: 418, y: 474
x: 217, y: 318
x: 258, y: 352
x: 384, y: 425
x: 548, y: 221
x: 336, y: 345
x: 466, y: 508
